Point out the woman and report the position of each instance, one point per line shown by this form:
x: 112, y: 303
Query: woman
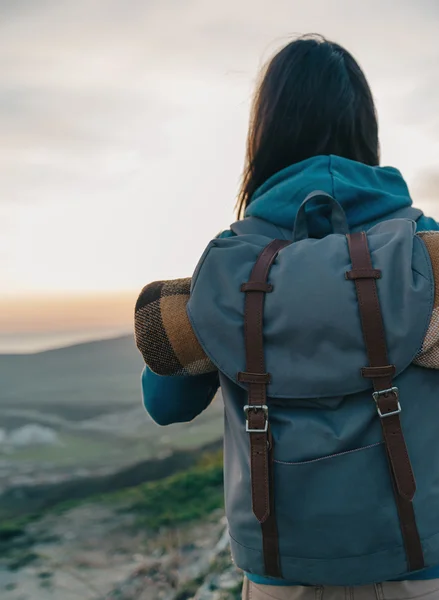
x: 313, y: 126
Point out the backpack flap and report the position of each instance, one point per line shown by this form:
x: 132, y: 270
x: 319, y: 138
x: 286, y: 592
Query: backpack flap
x: 314, y: 344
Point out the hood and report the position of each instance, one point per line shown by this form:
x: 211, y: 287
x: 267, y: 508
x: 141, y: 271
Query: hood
x: 367, y: 194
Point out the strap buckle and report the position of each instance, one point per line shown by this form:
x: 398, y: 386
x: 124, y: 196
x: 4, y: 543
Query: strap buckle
x: 377, y: 395
x: 256, y: 407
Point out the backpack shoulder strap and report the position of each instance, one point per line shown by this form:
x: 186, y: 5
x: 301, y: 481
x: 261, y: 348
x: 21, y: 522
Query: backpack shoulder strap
x: 259, y: 226
x: 385, y: 394
x: 256, y: 411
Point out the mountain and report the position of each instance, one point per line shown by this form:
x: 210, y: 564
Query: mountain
x: 86, y: 399
x: 105, y: 372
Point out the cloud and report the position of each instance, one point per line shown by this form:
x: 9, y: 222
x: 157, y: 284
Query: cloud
x: 59, y: 136
x: 429, y: 5
x: 425, y: 191
x: 426, y: 185
x: 420, y: 106
x: 124, y: 121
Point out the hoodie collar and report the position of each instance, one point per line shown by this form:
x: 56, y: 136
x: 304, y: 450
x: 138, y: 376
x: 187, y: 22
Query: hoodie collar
x: 367, y: 194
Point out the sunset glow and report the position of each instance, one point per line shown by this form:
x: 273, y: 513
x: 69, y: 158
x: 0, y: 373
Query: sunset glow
x: 123, y: 135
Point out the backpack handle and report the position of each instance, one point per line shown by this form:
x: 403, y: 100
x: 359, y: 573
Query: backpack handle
x: 338, y: 216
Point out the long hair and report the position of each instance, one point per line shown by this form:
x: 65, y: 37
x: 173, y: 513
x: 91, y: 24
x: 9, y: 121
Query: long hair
x: 313, y: 99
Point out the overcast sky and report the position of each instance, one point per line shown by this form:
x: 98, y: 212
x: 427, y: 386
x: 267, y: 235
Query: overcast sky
x: 123, y: 126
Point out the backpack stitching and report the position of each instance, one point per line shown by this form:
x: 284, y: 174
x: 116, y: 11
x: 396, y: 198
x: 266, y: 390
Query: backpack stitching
x: 314, y: 460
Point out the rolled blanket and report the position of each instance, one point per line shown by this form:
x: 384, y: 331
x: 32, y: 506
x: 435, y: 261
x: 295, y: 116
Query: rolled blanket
x: 163, y: 332
x: 429, y: 355
x: 169, y: 346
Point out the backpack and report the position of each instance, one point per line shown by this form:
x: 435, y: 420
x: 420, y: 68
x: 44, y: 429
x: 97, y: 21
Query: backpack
x: 331, y: 446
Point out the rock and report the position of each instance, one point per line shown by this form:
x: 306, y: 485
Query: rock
x: 222, y: 580
x: 207, y: 591
x: 223, y: 543
x: 230, y: 579
x: 138, y: 558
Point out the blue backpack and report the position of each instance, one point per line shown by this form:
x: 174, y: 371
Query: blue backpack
x: 331, y: 433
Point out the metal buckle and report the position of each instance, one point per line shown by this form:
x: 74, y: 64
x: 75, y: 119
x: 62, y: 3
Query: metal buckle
x: 377, y: 395
x: 254, y: 407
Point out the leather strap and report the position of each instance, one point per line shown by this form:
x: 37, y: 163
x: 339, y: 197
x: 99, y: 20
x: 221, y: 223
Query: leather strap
x: 256, y: 286
x: 245, y: 377
x: 363, y: 274
x: 386, y: 395
x: 374, y: 372
x: 261, y: 442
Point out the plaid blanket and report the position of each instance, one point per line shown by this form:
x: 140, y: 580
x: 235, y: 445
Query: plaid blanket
x: 429, y: 355
x: 163, y: 332
x: 169, y: 346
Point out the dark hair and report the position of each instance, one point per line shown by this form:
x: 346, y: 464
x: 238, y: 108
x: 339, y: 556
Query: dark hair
x: 313, y: 100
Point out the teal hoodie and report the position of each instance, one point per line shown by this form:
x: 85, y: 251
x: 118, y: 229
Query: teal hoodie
x: 367, y: 194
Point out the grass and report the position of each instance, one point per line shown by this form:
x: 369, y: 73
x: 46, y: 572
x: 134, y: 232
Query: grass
x: 189, y: 495
x: 183, y: 497
x: 12, y: 528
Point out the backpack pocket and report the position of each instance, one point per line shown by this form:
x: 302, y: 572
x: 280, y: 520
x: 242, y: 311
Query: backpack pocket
x: 345, y: 502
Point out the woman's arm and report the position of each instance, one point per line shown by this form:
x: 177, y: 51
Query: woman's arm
x: 177, y: 399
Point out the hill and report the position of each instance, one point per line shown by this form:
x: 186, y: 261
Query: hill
x: 165, y: 538
x: 110, y: 505
x: 86, y: 399
x: 94, y: 373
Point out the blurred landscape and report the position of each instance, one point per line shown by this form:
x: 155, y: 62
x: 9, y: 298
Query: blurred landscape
x: 123, y: 138
x: 96, y: 500
x: 78, y: 411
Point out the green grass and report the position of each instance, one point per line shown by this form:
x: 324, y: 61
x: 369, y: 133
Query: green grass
x: 183, y: 497
x: 12, y: 528
x: 186, y: 496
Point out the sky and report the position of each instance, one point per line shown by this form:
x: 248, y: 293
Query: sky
x: 123, y: 126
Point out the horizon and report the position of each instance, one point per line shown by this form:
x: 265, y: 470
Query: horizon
x: 64, y: 320
x: 123, y: 149
x: 53, y: 346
